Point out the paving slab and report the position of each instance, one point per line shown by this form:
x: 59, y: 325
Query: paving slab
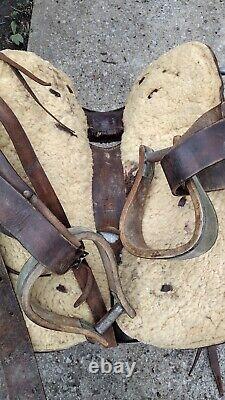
x: 103, y: 45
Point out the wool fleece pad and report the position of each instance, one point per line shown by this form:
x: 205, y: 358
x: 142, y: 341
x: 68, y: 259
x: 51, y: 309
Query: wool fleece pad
x: 179, y: 303
x: 67, y: 161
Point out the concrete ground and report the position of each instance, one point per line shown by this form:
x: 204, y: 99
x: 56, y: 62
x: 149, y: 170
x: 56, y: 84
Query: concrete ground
x: 103, y: 45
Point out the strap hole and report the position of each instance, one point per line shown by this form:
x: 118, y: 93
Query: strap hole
x: 69, y: 88
x: 141, y: 80
x: 56, y: 94
x: 61, y: 288
x: 153, y: 92
x: 166, y: 288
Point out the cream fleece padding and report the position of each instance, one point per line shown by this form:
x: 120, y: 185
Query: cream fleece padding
x: 182, y: 85
x: 67, y: 161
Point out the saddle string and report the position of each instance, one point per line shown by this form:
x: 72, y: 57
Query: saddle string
x: 17, y: 69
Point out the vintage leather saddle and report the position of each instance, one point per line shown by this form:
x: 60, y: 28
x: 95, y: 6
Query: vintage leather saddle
x: 34, y: 216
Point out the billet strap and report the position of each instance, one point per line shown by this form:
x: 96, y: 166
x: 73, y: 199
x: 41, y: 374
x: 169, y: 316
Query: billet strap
x: 16, y: 353
x: 131, y: 231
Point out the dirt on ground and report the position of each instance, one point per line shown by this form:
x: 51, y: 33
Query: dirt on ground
x: 15, y: 16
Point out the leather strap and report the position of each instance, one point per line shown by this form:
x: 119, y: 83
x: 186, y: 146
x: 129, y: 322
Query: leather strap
x: 212, y: 352
x: 107, y: 169
x: 17, y: 69
x: 108, y: 202
x: 215, y: 367
x: 200, y: 153
x: 59, y: 124
x: 34, y: 232
x: 13, y: 64
x: 30, y: 162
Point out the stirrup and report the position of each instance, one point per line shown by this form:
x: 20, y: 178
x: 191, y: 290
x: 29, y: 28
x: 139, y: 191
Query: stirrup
x: 206, y: 223
x: 32, y: 270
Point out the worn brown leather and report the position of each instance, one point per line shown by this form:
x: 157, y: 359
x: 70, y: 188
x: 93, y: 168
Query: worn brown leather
x: 34, y: 232
x: 105, y: 126
x: 194, y: 165
x: 106, y: 123
x: 107, y: 169
x: 30, y: 162
x: 17, y: 69
x: 201, y: 152
x: 109, y: 201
